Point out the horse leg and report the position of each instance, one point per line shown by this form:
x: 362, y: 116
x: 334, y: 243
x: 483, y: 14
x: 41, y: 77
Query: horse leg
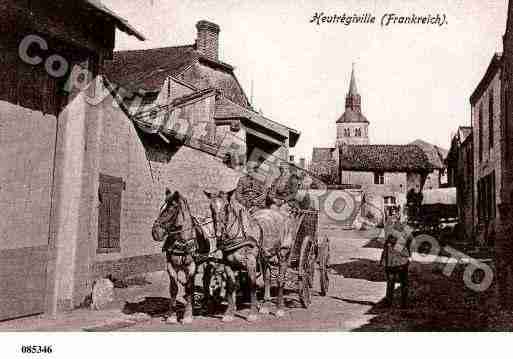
x: 190, y: 273
x: 173, y: 292
x: 266, y: 272
x: 283, y: 263
x: 252, y: 268
x: 231, y: 293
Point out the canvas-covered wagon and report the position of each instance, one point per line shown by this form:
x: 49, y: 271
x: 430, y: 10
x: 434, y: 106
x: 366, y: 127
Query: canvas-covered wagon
x: 437, y: 215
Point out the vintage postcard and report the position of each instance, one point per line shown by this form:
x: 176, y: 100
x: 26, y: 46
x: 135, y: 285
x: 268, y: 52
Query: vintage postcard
x: 255, y: 166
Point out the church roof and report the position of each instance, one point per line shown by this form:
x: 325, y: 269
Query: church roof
x: 384, y: 158
x: 353, y: 112
x: 352, y: 85
x: 352, y: 116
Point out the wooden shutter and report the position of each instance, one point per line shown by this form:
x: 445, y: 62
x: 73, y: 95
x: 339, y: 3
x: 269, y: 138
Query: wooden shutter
x: 109, y: 213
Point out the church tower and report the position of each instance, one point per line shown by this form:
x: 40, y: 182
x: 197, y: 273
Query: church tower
x: 352, y: 126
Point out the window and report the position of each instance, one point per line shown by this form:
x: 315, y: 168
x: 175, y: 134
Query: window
x: 379, y: 178
x: 347, y: 132
x: 480, y: 133
x: 505, y: 124
x: 109, y: 213
x: 490, y: 119
x: 486, y: 198
x: 358, y: 132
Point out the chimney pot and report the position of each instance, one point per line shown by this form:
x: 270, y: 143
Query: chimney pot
x: 207, y: 41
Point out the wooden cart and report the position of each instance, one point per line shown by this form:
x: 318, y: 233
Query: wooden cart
x: 308, y: 251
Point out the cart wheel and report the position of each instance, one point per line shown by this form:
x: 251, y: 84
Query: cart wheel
x: 324, y: 257
x: 306, y: 271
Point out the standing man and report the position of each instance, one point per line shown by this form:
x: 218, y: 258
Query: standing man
x: 250, y: 191
x: 396, y: 257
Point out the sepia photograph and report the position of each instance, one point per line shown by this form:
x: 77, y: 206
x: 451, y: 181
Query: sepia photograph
x: 255, y: 166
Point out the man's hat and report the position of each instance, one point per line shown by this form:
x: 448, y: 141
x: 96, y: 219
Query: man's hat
x: 168, y: 191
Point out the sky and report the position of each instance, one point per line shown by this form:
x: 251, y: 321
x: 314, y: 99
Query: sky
x: 415, y: 80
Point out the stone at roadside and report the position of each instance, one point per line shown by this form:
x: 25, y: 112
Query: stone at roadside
x: 103, y: 294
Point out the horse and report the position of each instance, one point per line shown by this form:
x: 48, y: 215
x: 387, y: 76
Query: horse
x: 185, y: 241
x: 247, y: 240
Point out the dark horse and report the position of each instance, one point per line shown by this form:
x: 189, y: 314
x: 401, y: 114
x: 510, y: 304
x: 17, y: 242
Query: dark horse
x: 185, y: 240
x: 248, y: 240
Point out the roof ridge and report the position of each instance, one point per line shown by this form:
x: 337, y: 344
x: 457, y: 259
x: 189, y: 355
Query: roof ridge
x: 152, y: 48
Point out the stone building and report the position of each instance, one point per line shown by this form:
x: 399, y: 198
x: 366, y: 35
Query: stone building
x: 460, y: 174
x: 504, y: 243
x: 486, y: 114
x: 47, y: 147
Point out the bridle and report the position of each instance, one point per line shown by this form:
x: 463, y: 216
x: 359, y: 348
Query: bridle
x: 228, y: 228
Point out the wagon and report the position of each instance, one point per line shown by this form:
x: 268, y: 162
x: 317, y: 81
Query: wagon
x: 437, y: 215
x: 307, y: 253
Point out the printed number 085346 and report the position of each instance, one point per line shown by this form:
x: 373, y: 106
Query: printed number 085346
x: 36, y: 349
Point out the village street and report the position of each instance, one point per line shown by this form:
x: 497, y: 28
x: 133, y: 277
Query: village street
x: 354, y: 302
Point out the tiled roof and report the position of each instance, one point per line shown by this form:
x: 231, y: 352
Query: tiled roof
x: 121, y: 23
x: 148, y: 69
x: 385, y: 158
x: 435, y: 154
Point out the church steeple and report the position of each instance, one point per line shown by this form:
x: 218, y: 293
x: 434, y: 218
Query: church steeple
x: 352, y: 126
x: 353, y: 99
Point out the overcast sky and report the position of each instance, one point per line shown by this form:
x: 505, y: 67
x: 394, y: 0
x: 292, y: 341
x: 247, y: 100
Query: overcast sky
x: 415, y: 80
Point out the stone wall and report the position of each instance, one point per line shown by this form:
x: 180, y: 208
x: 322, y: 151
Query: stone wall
x: 491, y: 155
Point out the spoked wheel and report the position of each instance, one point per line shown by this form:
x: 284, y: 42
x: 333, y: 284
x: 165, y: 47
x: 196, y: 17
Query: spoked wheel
x: 306, y: 271
x: 324, y: 257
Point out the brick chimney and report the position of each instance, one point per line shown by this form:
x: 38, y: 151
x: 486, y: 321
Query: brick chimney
x: 207, y: 41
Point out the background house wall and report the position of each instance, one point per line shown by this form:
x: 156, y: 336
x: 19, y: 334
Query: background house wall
x: 491, y: 157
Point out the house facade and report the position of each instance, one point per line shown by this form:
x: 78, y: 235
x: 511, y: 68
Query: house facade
x: 486, y: 114
x: 504, y: 243
x: 50, y: 52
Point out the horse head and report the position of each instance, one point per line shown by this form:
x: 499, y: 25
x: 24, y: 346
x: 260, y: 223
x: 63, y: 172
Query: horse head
x: 220, y: 210
x: 173, y: 218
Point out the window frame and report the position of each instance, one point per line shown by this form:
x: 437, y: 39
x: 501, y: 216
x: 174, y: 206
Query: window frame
x: 379, y: 178
x: 110, y: 198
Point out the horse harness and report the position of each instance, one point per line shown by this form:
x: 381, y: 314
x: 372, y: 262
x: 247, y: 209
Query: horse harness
x: 241, y: 238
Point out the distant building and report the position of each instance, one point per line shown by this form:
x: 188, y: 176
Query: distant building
x: 384, y: 172
x: 460, y: 174
x: 436, y: 156
x: 486, y: 115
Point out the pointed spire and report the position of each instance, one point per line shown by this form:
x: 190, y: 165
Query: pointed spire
x: 352, y: 85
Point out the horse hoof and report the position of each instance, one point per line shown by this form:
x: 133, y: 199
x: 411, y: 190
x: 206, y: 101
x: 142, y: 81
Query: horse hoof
x: 227, y: 319
x: 252, y: 318
x: 263, y: 310
x: 280, y: 313
x: 172, y: 320
x: 187, y: 320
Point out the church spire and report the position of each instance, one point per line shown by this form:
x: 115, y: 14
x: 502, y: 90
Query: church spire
x: 353, y: 99
x: 352, y: 85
